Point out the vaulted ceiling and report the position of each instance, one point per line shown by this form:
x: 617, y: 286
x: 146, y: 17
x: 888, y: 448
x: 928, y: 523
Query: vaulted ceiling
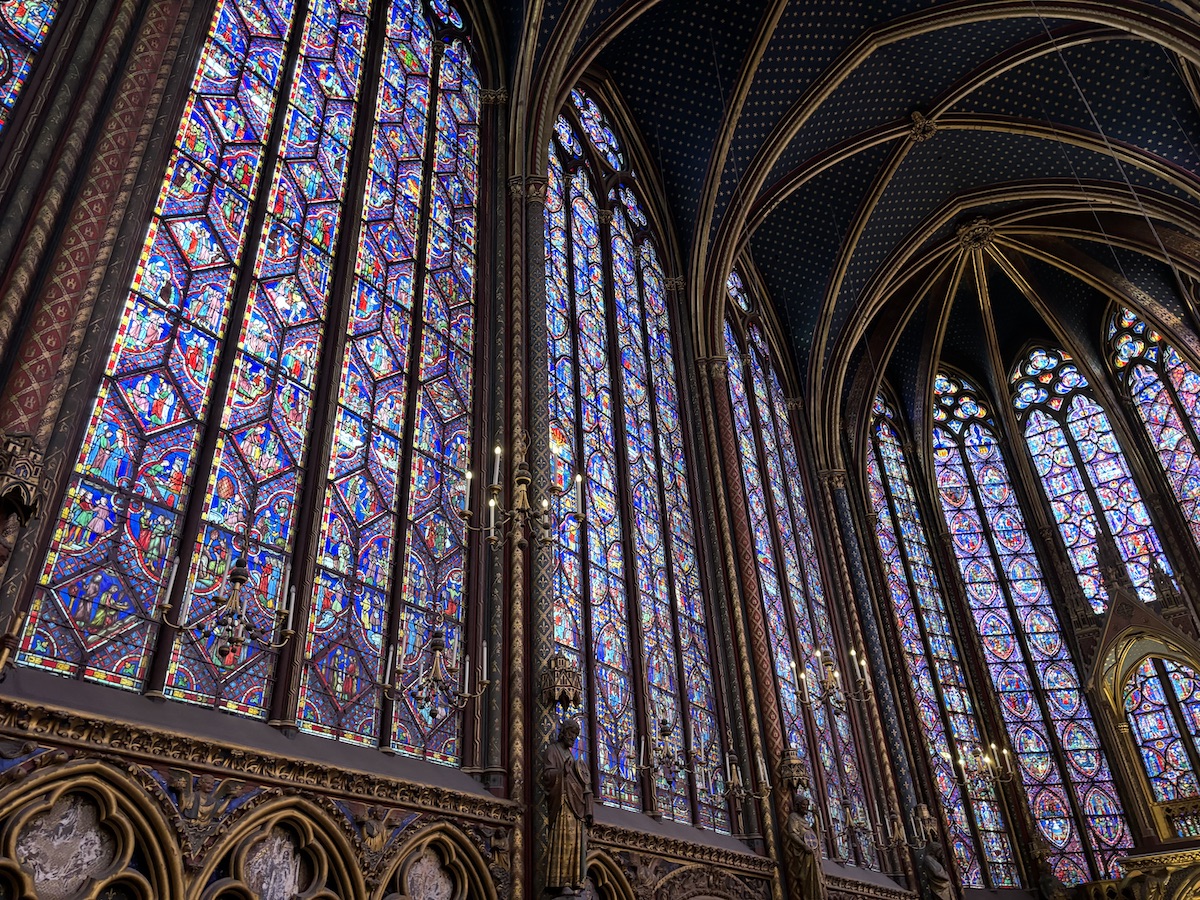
x: 839, y: 147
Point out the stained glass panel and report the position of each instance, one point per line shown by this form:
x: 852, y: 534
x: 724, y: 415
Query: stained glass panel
x: 339, y: 689
x: 250, y: 502
x: 1084, y: 474
x: 436, y: 540
x: 596, y: 354
x: 24, y: 25
x: 1023, y: 643
x: 946, y: 711
x: 1165, y: 390
x: 1157, y: 734
x: 110, y: 564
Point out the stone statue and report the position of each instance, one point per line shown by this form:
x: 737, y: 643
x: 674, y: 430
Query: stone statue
x: 1049, y: 883
x: 934, y: 866
x: 804, y: 851
x: 569, y: 798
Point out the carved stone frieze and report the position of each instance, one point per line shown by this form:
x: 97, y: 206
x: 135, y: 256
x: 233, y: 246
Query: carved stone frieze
x: 839, y: 888
x: 493, y: 96
x: 618, y: 839
x: 93, y: 734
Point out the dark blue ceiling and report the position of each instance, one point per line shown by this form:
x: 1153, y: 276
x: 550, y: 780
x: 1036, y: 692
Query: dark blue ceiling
x: 676, y: 66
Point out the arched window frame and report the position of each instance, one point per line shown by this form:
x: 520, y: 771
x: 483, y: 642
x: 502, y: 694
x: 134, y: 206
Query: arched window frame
x: 447, y: 25
x: 962, y: 420
x: 984, y: 855
x: 21, y: 43
x: 1026, y: 391
x: 617, y: 760
x: 819, y: 729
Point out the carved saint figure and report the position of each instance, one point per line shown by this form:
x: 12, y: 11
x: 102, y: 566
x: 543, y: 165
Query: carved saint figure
x: 804, y: 851
x: 569, y: 798
x: 934, y: 866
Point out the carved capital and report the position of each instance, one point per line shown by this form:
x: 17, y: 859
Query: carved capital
x: 675, y: 283
x: 535, y: 189
x: 715, y: 366
x: 795, y: 403
x: 922, y: 128
x: 493, y: 96
x: 976, y: 236
x: 20, y: 475
x: 835, y: 478
x: 604, y: 216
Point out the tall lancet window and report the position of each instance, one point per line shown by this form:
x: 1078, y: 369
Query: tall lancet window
x: 946, y: 711
x: 1083, y: 469
x: 24, y: 25
x: 1062, y: 765
x: 804, y: 648
x: 1165, y: 390
x: 262, y: 325
x: 629, y: 598
x: 1084, y: 474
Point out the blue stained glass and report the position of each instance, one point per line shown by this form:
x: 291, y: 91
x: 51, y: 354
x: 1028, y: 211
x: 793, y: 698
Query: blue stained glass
x: 24, y: 25
x: 1077, y: 457
x: 995, y: 556
x: 938, y: 680
x: 256, y: 475
x: 95, y: 613
x: 1165, y: 390
x: 585, y: 368
x: 596, y: 126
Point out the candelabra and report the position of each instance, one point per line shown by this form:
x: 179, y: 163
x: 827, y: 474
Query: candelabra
x: 436, y: 692
x: 828, y: 686
x: 232, y: 629
x: 992, y: 769
x: 852, y: 829
x: 507, y: 521
x: 890, y: 834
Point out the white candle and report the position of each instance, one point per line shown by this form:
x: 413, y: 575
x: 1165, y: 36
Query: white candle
x: 467, y: 495
x: 579, y: 495
x: 645, y: 750
x: 496, y: 470
x: 728, y: 769
x: 762, y: 772
x: 291, y: 607
x: 466, y: 674
x: 483, y: 666
x: 492, y: 518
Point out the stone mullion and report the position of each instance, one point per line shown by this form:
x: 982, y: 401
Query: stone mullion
x: 51, y: 165
x: 528, y: 309
x: 743, y: 575
x: 879, y: 720
x: 500, y: 227
x: 77, y: 272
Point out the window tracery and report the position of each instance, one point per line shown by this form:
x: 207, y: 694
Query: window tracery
x: 629, y: 602
x: 1084, y: 474
x: 138, y: 533
x: 1064, y: 769
x: 800, y: 629
x: 946, y: 710
x: 1165, y: 390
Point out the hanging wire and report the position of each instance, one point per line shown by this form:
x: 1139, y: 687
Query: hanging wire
x: 1112, y: 151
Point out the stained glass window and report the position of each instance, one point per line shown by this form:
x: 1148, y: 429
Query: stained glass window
x: 1158, y: 721
x: 1063, y: 767
x: 1084, y: 474
x: 803, y: 646
x: 946, y: 712
x: 24, y: 25
x: 1165, y: 390
x: 628, y: 593
x: 137, y: 523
